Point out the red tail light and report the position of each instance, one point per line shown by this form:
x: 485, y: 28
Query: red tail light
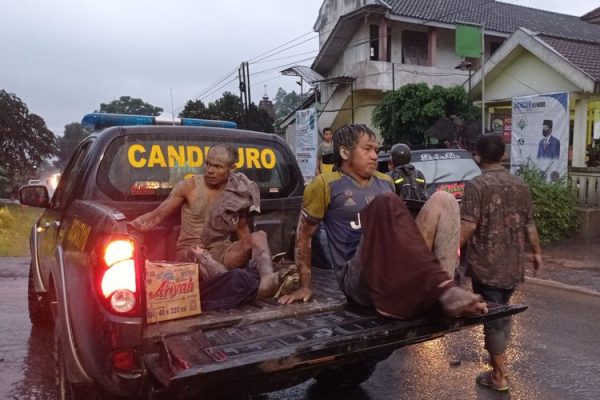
x: 119, y: 278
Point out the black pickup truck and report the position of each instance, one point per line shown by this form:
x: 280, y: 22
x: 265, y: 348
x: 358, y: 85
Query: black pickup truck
x: 103, y: 343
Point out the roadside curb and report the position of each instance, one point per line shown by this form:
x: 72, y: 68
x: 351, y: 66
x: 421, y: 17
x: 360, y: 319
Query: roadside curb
x: 564, y: 286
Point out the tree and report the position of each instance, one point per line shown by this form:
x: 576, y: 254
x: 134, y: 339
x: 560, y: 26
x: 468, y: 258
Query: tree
x: 285, y: 102
x: 194, y: 109
x: 229, y: 108
x: 67, y: 143
x: 4, y: 183
x: 259, y: 120
x: 25, y: 141
x: 405, y: 114
x: 130, y: 105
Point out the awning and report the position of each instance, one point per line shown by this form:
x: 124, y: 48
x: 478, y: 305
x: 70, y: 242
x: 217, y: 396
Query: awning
x: 304, y: 72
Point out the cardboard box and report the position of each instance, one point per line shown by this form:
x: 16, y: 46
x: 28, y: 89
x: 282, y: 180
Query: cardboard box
x: 172, y: 290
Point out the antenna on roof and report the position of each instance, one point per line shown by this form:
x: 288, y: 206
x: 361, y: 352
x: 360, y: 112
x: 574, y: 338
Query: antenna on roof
x: 172, y: 110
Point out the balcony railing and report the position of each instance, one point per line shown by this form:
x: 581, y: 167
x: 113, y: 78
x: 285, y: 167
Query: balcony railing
x: 586, y: 182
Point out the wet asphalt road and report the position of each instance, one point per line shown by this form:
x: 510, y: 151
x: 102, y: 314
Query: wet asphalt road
x: 555, y: 353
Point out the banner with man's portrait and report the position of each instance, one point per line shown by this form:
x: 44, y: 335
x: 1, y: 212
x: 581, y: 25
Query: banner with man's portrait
x: 540, y: 133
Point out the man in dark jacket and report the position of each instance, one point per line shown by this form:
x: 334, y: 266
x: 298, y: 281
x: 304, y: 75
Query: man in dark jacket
x: 408, y: 181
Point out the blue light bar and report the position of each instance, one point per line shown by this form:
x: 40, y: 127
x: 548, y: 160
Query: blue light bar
x: 208, y: 122
x: 105, y: 120
x: 96, y: 121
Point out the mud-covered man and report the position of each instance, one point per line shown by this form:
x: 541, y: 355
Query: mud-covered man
x: 380, y: 256
x: 215, y: 233
x: 497, y: 224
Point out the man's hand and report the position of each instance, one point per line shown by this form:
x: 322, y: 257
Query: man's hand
x: 137, y: 224
x: 537, y: 262
x: 302, y: 294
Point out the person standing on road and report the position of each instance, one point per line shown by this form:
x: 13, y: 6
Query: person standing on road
x: 325, y: 153
x: 379, y: 253
x: 496, y: 223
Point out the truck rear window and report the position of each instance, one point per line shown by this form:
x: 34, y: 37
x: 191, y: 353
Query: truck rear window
x: 146, y: 167
x: 445, y: 166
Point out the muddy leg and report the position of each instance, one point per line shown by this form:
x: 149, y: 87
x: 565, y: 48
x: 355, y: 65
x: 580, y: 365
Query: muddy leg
x: 261, y: 254
x: 208, y: 265
x: 439, y: 223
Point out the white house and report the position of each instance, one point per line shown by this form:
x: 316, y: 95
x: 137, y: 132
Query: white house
x: 368, y: 47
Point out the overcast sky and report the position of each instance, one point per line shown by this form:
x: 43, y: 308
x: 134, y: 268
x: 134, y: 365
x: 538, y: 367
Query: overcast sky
x: 63, y: 58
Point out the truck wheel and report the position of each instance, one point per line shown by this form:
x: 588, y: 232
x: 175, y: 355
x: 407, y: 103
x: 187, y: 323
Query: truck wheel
x: 347, y: 375
x: 38, y: 304
x: 66, y: 390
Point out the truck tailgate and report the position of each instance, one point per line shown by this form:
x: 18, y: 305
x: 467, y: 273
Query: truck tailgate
x: 299, y: 343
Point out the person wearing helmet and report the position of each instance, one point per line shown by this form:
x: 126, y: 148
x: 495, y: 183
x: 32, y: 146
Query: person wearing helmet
x: 409, y: 181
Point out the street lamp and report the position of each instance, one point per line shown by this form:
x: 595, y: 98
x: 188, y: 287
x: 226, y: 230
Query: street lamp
x: 466, y: 65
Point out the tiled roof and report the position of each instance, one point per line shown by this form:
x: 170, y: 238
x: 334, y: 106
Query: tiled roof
x: 497, y: 16
x: 594, y: 14
x: 585, y: 56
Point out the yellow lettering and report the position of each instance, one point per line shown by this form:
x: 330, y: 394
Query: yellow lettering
x: 194, y: 156
x: 176, y: 155
x: 156, y: 157
x: 136, y: 163
x: 240, y: 162
x: 267, y: 158
x: 252, y: 156
x: 78, y: 234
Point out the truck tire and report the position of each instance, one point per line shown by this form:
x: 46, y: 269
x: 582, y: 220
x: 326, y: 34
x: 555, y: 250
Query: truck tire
x: 38, y: 304
x: 347, y: 375
x: 65, y: 390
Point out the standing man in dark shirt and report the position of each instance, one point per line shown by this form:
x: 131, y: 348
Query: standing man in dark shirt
x: 497, y: 223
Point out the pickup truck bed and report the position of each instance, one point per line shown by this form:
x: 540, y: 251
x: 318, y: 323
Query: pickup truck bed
x: 292, y: 342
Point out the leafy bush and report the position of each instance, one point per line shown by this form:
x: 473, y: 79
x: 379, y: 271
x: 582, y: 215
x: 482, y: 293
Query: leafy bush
x: 554, y: 205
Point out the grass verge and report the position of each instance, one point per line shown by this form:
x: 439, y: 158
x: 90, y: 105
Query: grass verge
x: 15, y: 228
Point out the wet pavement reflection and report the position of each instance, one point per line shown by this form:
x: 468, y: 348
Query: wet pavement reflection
x: 554, y: 354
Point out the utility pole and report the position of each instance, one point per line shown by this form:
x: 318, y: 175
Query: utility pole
x: 249, y: 98
x: 244, y: 78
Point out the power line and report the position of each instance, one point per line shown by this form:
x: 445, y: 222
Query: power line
x: 220, y: 87
x: 201, y: 94
x: 287, y: 48
x: 278, y: 47
x: 284, y: 58
x: 281, y: 66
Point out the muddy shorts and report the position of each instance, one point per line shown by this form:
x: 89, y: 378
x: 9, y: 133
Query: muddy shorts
x: 496, y: 333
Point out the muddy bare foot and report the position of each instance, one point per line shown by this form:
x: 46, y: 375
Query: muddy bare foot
x: 208, y: 264
x: 458, y: 301
x: 289, y: 281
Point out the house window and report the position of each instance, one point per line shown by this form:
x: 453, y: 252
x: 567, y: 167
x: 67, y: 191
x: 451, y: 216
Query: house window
x: 374, y: 44
x: 415, y: 48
